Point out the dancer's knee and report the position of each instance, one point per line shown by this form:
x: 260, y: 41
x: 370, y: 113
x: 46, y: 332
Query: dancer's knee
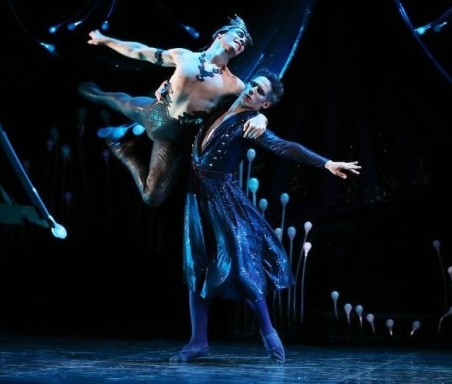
x: 152, y: 198
x: 157, y: 186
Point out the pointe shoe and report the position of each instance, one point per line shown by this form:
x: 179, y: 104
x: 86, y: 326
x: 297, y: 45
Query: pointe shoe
x: 90, y: 90
x: 190, y: 352
x: 113, y: 133
x: 274, y: 347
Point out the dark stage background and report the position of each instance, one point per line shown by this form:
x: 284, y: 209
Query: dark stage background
x: 360, y: 86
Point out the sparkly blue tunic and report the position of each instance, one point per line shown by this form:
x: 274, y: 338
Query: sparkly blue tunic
x: 230, y: 250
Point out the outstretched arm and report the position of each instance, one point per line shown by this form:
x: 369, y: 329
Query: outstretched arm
x: 290, y: 150
x: 300, y: 154
x: 337, y: 168
x: 134, y: 50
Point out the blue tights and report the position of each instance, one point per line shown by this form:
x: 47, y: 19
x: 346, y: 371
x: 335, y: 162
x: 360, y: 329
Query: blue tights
x: 198, y: 345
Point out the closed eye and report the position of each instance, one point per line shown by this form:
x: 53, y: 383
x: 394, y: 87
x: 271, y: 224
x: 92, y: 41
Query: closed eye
x: 259, y: 89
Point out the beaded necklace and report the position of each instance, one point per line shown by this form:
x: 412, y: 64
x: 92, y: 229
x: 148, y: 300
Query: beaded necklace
x: 202, y: 71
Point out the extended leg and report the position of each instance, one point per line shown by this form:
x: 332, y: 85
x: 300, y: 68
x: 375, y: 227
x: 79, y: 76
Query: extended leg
x: 134, y: 108
x: 155, y: 180
x: 163, y: 170
x: 272, y: 342
x: 198, y: 345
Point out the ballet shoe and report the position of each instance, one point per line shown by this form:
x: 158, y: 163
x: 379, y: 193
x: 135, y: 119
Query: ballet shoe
x: 114, y: 133
x: 90, y: 90
x: 190, y: 352
x: 274, y: 347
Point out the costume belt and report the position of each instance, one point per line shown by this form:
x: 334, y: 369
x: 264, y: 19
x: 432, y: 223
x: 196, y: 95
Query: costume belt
x: 203, y: 172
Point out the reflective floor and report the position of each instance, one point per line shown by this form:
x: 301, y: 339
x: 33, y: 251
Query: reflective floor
x: 40, y: 360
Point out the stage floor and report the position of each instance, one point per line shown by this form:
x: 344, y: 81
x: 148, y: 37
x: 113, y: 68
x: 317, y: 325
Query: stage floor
x: 42, y: 360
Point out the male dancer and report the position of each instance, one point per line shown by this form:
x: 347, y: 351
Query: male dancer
x: 230, y: 250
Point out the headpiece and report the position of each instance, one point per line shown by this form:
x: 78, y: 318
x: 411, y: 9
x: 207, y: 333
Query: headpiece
x: 235, y: 22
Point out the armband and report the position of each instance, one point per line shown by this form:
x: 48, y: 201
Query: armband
x: 158, y: 57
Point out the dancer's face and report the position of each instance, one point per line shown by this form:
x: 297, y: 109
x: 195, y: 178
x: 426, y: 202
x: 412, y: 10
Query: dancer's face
x: 256, y: 93
x: 234, y: 40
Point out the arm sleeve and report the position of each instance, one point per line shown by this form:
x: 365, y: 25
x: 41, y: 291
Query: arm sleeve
x: 289, y: 150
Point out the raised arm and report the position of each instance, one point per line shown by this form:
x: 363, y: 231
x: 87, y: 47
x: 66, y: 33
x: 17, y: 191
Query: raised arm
x: 135, y: 50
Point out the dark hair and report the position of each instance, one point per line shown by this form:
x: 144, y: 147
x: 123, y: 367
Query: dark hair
x: 275, y: 81
x: 234, y: 22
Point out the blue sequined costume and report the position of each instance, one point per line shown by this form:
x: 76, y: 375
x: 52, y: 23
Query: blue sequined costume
x: 230, y: 250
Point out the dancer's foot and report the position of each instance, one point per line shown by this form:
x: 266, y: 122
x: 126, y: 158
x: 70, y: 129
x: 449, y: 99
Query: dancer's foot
x: 115, y: 133
x: 189, y: 352
x: 274, y: 347
x: 90, y: 90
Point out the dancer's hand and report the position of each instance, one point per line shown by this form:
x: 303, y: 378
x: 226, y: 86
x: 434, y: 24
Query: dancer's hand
x: 161, y: 91
x: 336, y: 168
x: 97, y: 38
x: 255, y: 127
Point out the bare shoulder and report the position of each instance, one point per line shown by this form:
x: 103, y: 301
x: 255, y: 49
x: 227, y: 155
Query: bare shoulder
x: 181, y: 53
x: 236, y: 83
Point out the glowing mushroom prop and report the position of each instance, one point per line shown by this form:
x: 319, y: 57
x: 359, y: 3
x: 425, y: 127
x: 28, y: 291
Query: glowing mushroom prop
x: 307, y: 228
x: 335, y: 297
x: 307, y: 247
x: 359, y: 311
x: 371, y: 318
x: 284, y: 200
x: 348, y: 310
x: 390, y: 325
x: 253, y: 186
x: 414, y: 327
x: 291, y: 233
x: 263, y: 204
x: 250, y: 155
